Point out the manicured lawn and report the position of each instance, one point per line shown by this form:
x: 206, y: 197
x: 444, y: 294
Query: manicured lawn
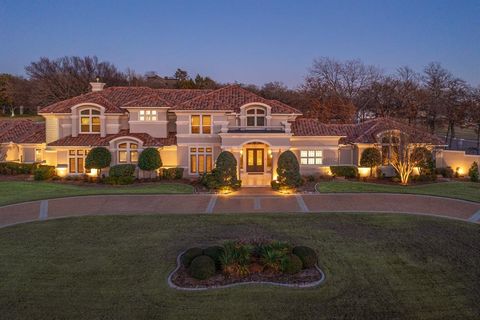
x: 19, y: 191
x: 460, y: 190
x: 378, y: 266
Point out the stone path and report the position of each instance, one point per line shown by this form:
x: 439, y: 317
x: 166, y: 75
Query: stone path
x: 243, y: 203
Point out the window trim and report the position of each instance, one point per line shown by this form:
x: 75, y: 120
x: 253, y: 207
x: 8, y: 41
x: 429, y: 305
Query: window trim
x: 205, y: 154
x: 201, y: 126
x: 317, y: 155
x: 76, y: 157
x: 90, y: 118
x: 256, y: 116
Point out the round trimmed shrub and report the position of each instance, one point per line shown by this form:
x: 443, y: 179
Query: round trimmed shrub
x: 98, y: 158
x: 149, y: 159
x: 122, y: 170
x: 189, y: 255
x: 307, y: 255
x: 202, y: 267
x: 214, y: 252
x: 371, y: 157
x: 291, y: 264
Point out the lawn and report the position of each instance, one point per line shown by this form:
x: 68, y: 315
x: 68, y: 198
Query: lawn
x: 378, y: 266
x: 19, y: 191
x: 459, y: 190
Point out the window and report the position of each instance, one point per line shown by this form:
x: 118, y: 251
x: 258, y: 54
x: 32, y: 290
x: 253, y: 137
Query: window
x: 38, y: 155
x: 128, y: 152
x: 148, y: 115
x: 256, y: 117
x: 311, y: 157
x: 390, y: 145
x: 89, y: 121
x: 201, y: 124
x: 76, y: 161
x: 201, y: 160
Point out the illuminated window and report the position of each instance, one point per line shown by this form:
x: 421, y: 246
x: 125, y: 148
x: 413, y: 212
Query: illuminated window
x: 128, y: 152
x: 76, y: 161
x: 38, y: 155
x: 256, y: 117
x: 90, y: 121
x: 314, y: 157
x: 148, y: 115
x: 201, y: 124
x: 201, y: 160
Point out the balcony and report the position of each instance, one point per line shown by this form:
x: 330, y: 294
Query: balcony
x: 284, y: 128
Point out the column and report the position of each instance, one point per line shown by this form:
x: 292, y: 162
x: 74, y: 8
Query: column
x: 275, y: 155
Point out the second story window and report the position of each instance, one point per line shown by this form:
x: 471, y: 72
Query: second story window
x: 148, y: 115
x: 128, y: 152
x: 201, y: 124
x: 256, y: 117
x: 90, y: 121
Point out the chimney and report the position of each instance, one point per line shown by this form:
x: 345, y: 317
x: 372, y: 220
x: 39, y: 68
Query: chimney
x: 97, y: 85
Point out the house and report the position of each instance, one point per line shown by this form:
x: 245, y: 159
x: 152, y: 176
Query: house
x: 190, y: 128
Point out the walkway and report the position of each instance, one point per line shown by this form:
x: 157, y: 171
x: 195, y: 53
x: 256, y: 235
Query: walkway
x: 242, y: 203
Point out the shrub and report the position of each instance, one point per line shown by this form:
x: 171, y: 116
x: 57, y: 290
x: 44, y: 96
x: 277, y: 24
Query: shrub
x: 98, y: 158
x: 44, y: 173
x: 149, y: 159
x: 171, y: 173
x: 288, y: 171
x: 13, y: 168
x: 344, y: 171
x: 189, y: 255
x: 445, y: 172
x: 122, y: 170
x: 371, y: 158
x: 202, y: 267
x: 235, y: 258
x: 291, y: 264
x: 214, y: 252
x: 307, y: 255
x: 422, y: 156
x: 473, y: 172
x: 224, y: 174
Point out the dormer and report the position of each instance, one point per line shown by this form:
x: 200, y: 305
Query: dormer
x: 88, y: 118
x: 255, y: 115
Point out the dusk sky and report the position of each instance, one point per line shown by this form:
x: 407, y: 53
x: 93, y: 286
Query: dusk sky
x: 244, y: 41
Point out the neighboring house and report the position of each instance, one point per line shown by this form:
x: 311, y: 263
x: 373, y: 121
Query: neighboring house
x: 191, y: 127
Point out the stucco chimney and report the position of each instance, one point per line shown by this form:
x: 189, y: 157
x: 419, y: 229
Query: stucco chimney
x: 97, y: 85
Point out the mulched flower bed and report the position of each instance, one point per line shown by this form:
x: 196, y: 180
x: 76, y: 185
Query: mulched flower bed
x: 182, y: 279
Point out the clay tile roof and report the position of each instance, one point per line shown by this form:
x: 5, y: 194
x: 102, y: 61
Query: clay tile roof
x: 365, y: 132
x: 22, y: 131
x: 88, y: 140
x: 231, y: 98
x: 313, y: 127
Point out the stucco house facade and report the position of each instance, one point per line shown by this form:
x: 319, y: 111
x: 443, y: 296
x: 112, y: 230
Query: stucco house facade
x: 190, y: 128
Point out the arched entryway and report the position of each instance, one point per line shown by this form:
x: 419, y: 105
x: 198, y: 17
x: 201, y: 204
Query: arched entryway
x: 256, y: 164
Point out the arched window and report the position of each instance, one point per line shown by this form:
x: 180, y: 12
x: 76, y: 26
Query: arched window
x: 390, y: 144
x: 128, y: 152
x: 256, y: 117
x: 90, y: 121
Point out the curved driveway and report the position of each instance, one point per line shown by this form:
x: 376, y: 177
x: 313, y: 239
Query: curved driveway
x: 207, y: 203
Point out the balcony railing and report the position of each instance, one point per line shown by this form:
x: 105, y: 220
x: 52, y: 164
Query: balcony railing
x: 284, y: 128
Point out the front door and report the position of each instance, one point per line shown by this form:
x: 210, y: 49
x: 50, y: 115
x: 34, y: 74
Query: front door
x: 255, y: 160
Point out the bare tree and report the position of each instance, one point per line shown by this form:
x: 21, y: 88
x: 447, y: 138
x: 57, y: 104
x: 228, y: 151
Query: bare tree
x: 409, y: 94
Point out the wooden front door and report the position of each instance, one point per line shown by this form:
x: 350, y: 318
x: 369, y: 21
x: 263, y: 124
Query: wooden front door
x: 255, y: 161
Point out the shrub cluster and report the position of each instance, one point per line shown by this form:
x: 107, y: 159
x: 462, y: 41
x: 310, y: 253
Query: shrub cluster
x: 14, y: 168
x: 171, y: 173
x: 473, y: 172
x: 44, y: 173
x: 291, y: 264
x: 446, y: 172
x: 344, y: 171
x: 121, y: 174
x: 189, y: 255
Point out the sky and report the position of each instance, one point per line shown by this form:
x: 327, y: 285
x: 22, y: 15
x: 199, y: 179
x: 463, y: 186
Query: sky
x: 244, y: 41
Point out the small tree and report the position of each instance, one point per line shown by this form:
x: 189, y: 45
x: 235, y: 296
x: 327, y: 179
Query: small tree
x: 288, y: 171
x: 371, y: 158
x: 224, y: 174
x: 98, y: 158
x: 149, y: 160
x: 473, y: 172
x: 424, y: 159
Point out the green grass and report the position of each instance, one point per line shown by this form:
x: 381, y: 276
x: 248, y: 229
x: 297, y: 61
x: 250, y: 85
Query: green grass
x: 20, y: 191
x: 378, y: 266
x: 459, y: 190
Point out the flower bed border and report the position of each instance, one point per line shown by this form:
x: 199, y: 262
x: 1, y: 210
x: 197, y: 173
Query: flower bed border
x: 288, y: 285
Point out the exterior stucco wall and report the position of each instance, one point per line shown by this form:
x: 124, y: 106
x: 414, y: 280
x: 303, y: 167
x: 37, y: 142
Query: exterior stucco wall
x: 169, y: 156
x: 157, y: 129
x: 456, y: 159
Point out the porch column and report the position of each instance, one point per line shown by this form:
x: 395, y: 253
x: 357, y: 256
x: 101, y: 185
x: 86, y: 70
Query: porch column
x: 236, y: 154
x: 275, y: 155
